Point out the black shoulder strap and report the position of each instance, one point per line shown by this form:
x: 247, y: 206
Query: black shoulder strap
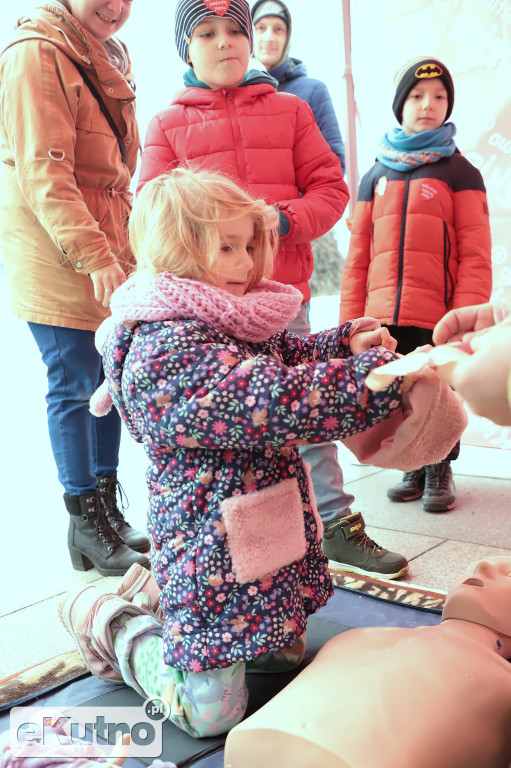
x: 104, y: 110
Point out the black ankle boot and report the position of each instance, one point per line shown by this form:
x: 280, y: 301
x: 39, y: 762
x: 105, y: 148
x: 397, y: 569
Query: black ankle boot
x: 107, y: 490
x: 93, y: 543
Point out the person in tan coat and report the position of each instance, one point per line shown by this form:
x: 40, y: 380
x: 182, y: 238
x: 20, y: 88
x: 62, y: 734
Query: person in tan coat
x: 68, y: 145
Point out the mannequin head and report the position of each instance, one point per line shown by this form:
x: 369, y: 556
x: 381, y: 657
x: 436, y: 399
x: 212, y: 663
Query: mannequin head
x: 482, y: 595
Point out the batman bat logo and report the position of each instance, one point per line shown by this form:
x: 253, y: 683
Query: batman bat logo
x: 428, y: 70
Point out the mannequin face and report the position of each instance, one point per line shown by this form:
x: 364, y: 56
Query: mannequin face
x: 483, y: 595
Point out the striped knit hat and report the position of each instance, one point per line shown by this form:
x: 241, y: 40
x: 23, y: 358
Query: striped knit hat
x: 190, y: 12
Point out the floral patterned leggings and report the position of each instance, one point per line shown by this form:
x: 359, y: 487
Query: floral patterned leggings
x: 201, y: 703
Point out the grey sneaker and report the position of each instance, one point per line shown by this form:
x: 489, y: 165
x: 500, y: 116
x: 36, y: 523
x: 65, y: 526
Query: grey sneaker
x: 411, y: 486
x: 349, y: 548
x: 439, y: 491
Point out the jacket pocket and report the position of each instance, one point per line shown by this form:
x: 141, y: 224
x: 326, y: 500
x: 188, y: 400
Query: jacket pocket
x: 265, y: 530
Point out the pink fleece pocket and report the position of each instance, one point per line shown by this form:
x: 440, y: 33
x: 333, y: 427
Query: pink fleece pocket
x: 265, y: 530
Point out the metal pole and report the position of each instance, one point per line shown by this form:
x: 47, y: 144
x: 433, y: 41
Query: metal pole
x: 351, y: 114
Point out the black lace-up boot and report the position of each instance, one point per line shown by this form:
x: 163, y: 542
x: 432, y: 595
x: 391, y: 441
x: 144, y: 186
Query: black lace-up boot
x: 107, y: 490
x: 439, y: 490
x: 411, y: 486
x: 93, y: 543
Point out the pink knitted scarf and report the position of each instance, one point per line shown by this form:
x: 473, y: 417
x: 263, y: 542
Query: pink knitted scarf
x: 256, y: 316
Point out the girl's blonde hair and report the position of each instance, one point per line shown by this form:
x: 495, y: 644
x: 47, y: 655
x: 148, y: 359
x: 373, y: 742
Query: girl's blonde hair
x: 176, y: 224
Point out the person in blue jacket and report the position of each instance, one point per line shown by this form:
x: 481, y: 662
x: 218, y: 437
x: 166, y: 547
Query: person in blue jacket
x: 345, y: 541
x: 272, y: 40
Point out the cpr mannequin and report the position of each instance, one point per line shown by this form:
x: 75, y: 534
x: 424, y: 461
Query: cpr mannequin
x: 385, y: 697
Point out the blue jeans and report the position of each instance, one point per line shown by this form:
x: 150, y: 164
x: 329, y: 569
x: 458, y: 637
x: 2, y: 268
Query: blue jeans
x: 84, y: 447
x: 326, y: 473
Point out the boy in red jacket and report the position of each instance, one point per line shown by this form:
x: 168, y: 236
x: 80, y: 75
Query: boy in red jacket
x: 232, y: 120
x: 420, y: 241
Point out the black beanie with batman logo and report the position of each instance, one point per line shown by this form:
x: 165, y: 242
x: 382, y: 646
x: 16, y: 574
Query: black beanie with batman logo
x: 412, y: 73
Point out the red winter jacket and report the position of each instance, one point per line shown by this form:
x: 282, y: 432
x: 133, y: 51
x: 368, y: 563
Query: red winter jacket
x: 270, y: 143
x: 420, y: 244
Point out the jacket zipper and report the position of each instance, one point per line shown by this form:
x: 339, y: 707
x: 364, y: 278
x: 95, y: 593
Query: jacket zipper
x: 401, y: 254
x: 372, y: 255
x: 234, y: 120
x: 448, y: 281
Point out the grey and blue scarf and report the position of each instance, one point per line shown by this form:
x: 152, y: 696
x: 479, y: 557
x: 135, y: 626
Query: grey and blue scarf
x: 402, y: 152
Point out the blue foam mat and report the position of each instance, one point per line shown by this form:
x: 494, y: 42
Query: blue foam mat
x: 358, y: 610
x: 345, y: 607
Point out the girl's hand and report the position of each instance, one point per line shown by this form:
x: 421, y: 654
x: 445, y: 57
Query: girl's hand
x: 271, y: 218
x: 361, y: 342
x: 105, y: 281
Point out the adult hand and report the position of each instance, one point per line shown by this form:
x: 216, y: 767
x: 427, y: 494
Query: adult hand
x: 105, y: 281
x: 364, y: 340
x: 463, y: 323
x: 482, y: 377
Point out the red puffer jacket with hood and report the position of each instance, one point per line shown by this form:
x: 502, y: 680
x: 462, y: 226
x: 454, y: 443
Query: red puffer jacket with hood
x: 267, y: 141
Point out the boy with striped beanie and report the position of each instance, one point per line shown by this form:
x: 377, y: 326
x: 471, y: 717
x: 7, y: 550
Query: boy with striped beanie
x: 189, y: 13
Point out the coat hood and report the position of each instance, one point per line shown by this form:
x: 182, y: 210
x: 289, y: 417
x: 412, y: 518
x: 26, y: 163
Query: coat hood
x: 252, y: 77
x: 289, y: 70
x: 206, y: 98
x: 54, y: 24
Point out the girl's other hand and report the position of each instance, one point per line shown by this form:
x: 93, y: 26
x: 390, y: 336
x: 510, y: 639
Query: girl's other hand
x: 361, y: 342
x: 271, y: 218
